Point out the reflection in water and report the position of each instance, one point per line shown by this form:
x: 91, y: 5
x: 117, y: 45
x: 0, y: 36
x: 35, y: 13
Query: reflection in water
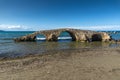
x: 24, y: 48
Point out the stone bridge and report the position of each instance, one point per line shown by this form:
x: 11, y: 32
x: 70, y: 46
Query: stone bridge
x: 76, y: 34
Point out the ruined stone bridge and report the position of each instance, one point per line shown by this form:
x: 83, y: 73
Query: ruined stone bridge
x: 76, y: 34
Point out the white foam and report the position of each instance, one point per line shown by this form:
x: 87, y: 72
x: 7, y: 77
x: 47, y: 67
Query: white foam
x: 40, y: 38
x: 64, y: 38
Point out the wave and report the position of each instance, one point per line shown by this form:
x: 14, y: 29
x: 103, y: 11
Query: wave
x: 59, y: 38
x: 41, y: 38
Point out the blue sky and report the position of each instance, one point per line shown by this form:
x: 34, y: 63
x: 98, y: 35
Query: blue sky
x: 52, y: 14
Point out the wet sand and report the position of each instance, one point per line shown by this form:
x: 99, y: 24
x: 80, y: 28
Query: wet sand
x: 74, y: 64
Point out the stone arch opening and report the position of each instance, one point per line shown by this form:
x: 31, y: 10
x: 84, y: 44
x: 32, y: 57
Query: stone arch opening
x: 40, y: 37
x: 66, y: 35
x: 96, y: 37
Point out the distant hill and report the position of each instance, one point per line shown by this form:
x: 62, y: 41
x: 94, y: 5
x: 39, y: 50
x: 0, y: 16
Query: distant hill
x: 1, y: 30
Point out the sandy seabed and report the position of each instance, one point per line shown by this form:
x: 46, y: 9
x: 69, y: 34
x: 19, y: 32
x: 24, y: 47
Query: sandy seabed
x: 76, y: 64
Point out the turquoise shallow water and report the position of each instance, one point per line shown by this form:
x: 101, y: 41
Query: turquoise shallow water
x: 9, y: 48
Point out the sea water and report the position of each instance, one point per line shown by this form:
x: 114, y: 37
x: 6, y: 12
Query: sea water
x: 9, y: 48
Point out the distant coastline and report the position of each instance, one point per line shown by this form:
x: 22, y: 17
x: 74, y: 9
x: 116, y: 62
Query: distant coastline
x: 1, y: 30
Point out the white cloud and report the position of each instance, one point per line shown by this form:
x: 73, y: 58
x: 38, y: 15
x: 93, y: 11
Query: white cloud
x: 105, y: 27
x: 21, y: 27
x: 13, y: 27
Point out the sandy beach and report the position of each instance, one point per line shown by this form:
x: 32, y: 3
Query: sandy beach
x: 82, y: 64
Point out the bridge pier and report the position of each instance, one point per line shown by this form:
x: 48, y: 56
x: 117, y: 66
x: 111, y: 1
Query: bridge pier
x: 51, y: 37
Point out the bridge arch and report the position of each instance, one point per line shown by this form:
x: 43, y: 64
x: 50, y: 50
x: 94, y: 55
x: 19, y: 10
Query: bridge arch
x: 40, y: 37
x: 71, y: 34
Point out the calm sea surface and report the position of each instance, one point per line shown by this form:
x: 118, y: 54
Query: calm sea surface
x: 9, y: 48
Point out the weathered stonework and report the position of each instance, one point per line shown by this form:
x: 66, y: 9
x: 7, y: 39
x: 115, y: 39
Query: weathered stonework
x: 76, y: 34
